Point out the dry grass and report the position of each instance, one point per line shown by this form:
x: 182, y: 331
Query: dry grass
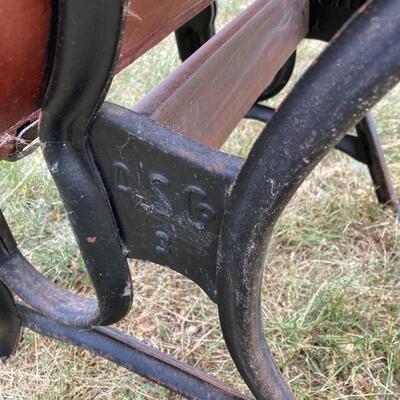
x: 331, y: 290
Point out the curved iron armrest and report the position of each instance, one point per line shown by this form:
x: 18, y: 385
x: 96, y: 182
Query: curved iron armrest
x: 333, y: 95
x: 87, y: 49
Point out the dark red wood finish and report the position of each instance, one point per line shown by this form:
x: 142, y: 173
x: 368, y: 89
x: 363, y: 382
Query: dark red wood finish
x: 24, y: 37
x: 25, y: 34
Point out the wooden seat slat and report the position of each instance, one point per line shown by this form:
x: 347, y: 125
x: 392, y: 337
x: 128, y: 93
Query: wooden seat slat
x: 150, y: 21
x: 25, y: 34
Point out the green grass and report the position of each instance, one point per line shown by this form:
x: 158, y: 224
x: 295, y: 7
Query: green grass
x: 331, y: 288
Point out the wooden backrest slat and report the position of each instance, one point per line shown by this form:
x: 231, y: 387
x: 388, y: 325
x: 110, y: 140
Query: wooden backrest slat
x: 207, y: 96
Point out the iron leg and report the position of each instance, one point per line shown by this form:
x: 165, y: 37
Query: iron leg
x: 385, y: 191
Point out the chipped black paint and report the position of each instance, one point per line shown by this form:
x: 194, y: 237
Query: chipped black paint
x: 167, y: 192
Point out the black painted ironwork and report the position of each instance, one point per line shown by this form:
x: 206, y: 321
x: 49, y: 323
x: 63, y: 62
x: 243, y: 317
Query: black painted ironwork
x: 81, y: 75
x: 328, y: 16
x: 134, y: 355
x: 333, y: 95
x: 376, y: 162
x: 192, y: 35
x: 365, y: 147
x: 10, y: 325
x: 167, y: 192
x: 135, y: 189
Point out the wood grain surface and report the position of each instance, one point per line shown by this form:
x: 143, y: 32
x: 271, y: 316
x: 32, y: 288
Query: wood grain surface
x: 25, y: 34
x: 24, y: 37
x: 207, y: 96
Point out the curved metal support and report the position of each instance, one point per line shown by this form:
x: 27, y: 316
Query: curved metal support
x: 365, y: 148
x: 261, y: 113
x: 332, y: 97
x: 10, y: 327
x: 281, y: 79
x: 135, y: 356
x: 191, y: 36
x: 376, y: 162
x: 89, y: 34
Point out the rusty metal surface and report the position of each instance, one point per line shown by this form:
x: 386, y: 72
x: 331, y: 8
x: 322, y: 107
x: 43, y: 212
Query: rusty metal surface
x: 136, y: 356
x: 207, y: 96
